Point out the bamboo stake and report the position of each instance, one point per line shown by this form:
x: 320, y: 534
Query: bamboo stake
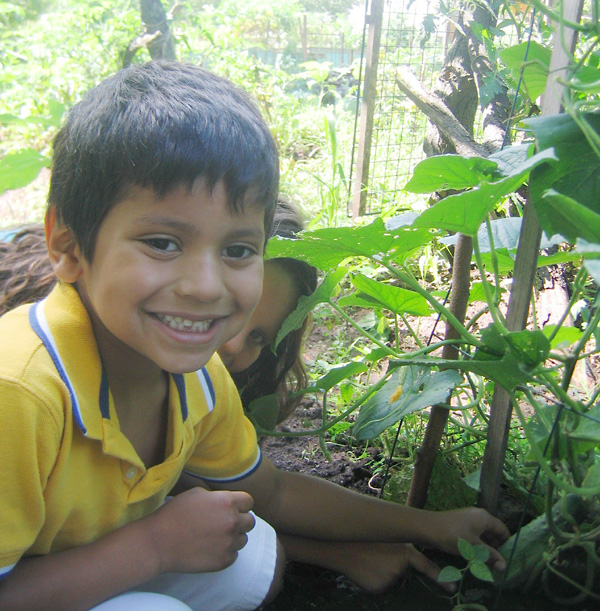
x: 524, y: 271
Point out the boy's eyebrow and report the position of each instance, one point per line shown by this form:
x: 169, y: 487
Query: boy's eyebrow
x: 186, y: 228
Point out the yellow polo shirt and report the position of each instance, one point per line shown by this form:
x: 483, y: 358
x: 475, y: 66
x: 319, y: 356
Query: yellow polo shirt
x: 67, y: 473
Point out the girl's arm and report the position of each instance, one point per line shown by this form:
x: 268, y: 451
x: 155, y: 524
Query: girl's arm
x: 305, y: 506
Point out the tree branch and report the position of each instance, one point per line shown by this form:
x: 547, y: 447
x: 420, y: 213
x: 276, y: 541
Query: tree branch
x: 439, y: 114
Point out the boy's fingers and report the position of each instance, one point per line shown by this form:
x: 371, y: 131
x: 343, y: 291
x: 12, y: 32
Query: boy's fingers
x: 496, y: 561
x: 247, y: 523
x: 427, y: 567
x: 243, y: 500
x: 497, y: 530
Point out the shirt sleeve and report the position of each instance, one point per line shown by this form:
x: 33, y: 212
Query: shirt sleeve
x: 29, y: 446
x: 227, y: 447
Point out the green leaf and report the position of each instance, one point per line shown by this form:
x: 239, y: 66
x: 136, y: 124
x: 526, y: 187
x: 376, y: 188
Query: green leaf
x: 592, y: 477
x: 477, y: 292
x: 530, y: 347
x: 449, y: 574
x: 466, y: 549
x: 495, y: 360
x: 393, y: 298
x: 576, y: 174
x: 443, y: 172
x: 535, y: 73
x: 408, y: 390
x: 327, y: 248
x: 566, y: 336
x: 337, y: 374
x: 264, y: 412
x: 480, y: 570
x: 511, y: 158
x: 505, y: 236
x: 588, y: 429
x: 464, y: 212
x: 306, y: 304
x: 20, y: 168
x: 561, y: 214
x: 482, y: 553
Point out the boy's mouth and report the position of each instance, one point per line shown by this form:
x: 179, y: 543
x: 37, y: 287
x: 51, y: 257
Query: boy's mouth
x: 184, y: 324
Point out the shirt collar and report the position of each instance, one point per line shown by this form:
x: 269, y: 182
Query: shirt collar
x: 64, y: 327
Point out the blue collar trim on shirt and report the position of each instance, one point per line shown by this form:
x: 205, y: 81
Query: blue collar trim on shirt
x: 39, y: 324
x: 180, y: 383
x: 207, y: 387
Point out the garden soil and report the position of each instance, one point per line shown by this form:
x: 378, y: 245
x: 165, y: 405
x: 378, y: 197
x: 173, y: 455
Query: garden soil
x: 307, y: 588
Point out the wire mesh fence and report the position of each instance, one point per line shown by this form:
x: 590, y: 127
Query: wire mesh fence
x: 415, y: 38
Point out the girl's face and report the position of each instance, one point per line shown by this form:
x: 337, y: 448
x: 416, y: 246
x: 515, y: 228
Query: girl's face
x: 278, y: 300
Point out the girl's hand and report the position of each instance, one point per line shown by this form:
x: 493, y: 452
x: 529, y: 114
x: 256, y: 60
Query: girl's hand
x: 199, y: 530
x: 475, y: 525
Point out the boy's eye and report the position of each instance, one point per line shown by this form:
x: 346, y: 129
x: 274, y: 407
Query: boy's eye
x: 162, y: 244
x: 238, y: 251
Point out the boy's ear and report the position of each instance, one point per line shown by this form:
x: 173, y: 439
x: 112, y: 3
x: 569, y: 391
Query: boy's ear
x: 63, y: 250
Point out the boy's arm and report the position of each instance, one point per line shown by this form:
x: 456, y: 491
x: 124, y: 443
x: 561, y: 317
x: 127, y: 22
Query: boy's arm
x: 197, y: 531
x: 306, y: 506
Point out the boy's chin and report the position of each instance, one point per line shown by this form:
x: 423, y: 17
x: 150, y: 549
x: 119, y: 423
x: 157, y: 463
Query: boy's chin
x: 182, y: 364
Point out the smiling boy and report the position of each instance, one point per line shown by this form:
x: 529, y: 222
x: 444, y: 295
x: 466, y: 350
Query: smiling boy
x: 163, y: 185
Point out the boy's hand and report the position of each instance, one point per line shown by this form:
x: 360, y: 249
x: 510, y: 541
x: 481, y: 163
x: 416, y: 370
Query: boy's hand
x: 475, y: 525
x: 199, y: 530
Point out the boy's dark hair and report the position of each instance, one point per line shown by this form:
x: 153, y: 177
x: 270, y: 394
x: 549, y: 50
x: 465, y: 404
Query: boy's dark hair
x: 283, y: 371
x: 159, y: 125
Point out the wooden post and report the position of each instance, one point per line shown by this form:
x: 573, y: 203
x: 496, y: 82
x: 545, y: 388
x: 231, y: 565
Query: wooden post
x: 367, y: 109
x: 524, y: 273
x: 303, y: 37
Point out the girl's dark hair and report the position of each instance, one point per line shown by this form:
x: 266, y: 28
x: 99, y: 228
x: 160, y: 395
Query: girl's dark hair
x: 25, y: 271
x: 283, y: 371
x: 160, y: 125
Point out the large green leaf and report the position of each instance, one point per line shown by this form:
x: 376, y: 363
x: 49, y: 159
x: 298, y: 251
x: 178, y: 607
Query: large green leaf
x: 506, y: 259
x: 393, y: 298
x: 443, y: 172
x: 408, y: 390
x: 535, y: 72
x: 505, y: 235
x: 306, y: 304
x: 464, y: 212
x: 327, y: 248
x: 559, y: 213
x: 509, y: 359
x: 530, y: 347
x: 20, y: 168
x: 511, y: 158
x: 264, y: 412
x: 588, y: 427
x: 577, y: 175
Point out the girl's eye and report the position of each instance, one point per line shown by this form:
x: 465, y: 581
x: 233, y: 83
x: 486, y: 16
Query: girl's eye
x: 162, y: 244
x: 258, y: 338
x: 238, y: 251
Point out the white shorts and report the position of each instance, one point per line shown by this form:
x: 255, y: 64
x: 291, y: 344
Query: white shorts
x: 240, y: 587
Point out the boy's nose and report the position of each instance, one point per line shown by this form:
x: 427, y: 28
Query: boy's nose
x: 202, y: 280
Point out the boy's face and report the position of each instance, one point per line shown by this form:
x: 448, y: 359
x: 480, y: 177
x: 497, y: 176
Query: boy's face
x: 175, y: 278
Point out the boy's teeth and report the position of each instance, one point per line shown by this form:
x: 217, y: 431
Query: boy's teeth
x: 184, y: 324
